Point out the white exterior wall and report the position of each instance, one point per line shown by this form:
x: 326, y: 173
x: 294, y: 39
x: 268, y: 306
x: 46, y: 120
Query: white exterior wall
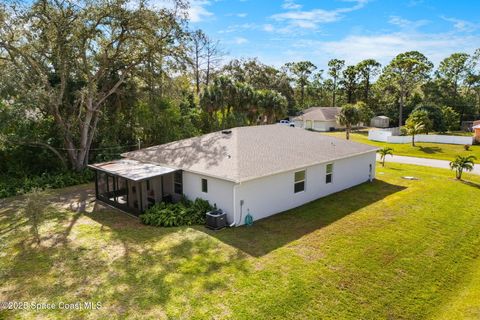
x: 387, y: 136
x: 220, y: 192
x: 325, y: 125
x: 273, y: 194
x: 318, y: 125
x: 299, y: 123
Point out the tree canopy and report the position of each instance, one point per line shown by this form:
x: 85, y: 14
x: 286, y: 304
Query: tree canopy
x: 84, y: 81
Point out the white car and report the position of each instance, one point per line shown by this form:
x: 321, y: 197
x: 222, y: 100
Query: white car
x: 287, y: 123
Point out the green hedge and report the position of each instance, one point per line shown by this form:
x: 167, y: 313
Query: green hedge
x: 10, y: 186
x: 183, y: 213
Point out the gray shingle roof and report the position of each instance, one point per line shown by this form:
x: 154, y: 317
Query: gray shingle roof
x: 250, y: 152
x: 320, y: 114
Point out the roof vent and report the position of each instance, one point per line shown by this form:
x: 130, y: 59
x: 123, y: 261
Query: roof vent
x: 226, y: 131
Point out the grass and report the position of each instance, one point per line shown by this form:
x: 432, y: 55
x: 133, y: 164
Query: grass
x: 422, y: 150
x: 391, y: 249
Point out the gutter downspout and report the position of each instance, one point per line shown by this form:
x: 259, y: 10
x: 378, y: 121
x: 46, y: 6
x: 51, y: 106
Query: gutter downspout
x: 234, y: 223
x: 234, y: 205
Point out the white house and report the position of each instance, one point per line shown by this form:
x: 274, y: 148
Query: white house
x: 260, y: 169
x: 319, y: 119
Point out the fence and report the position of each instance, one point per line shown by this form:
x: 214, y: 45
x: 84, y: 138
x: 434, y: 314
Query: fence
x: 391, y: 136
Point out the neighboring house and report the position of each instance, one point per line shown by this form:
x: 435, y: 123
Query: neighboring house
x: 262, y: 170
x: 380, y: 122
x: 319, y: 119
x: 476, y: 129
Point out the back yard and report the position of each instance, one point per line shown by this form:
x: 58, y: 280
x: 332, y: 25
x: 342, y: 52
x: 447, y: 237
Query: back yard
x: 422, y: 150
x: 392, y: 249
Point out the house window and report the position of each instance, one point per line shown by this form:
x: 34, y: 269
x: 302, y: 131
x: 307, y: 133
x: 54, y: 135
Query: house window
x: 204, y: 185
x: 178, y: 182
x: 329, y: 173
x: 299, y: 185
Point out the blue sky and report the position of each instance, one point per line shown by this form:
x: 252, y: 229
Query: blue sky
x: 318, y: 30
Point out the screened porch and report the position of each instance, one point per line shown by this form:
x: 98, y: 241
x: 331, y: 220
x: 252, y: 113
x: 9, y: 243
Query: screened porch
x: 133, y: 186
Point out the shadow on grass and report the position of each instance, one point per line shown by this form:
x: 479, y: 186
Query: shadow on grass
x: 276, y: 231
x: 430, y: 150
x: 471, y: 184
x: 126, y: 227
x: 127, y: 266
x: 391, y: 168
x: 144, y: 274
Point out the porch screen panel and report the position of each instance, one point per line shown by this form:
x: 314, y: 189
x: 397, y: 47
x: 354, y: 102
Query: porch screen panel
x: 102, y: 183
x: 122, y: 191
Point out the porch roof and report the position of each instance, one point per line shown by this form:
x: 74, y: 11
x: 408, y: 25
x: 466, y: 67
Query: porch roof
x: 132, y: 169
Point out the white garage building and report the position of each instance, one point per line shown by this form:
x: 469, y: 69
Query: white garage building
x: 319, y: 119
x: 261, y: 169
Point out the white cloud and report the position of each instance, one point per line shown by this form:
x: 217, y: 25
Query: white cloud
x: 384, y: 47
x: 291, y: 5
x: 240, y: 40
x: 311, y: 19
x: 462, y: 25
x: 268, y: 27
x: 241, y: 15
x: 359, y: 4
x: 239, y: 27
x: 197, y: 11
x: 313, y: 16
x: 407, y: 24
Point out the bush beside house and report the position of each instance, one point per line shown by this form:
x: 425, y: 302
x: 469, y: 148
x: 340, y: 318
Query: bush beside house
x: 183, y: 213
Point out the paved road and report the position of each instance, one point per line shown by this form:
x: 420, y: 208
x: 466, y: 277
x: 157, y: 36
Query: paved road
x: 425, y: 162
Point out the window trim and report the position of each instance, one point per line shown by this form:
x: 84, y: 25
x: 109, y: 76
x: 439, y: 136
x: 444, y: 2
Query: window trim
x: 303, y: 181
x: 327, y: 174
x: 204, y: 185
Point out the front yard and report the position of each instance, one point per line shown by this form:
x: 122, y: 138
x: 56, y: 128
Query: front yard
x: 422, y: 150
x: 391, y: 249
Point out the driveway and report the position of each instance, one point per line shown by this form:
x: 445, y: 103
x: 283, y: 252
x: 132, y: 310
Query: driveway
x: 425, y: 162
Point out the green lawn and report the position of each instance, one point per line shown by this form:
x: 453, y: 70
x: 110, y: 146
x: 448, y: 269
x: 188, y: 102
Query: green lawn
x: 422, y: 150
x: 391, y: 249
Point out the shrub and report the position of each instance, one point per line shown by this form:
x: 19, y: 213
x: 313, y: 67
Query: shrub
x: 10, y: 186
x: 431, y: 116
x: 183, y: 213
x: 450, y: 118
x: 421, y: 116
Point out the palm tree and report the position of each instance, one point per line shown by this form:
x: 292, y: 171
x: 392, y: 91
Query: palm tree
x: 462, y: 163
x: 414, y: 128
x: 383, y: 153
x: 272, y: 104
x: 348, y: 117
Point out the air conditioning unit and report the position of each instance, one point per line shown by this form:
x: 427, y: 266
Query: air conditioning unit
x: 216, y: 219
